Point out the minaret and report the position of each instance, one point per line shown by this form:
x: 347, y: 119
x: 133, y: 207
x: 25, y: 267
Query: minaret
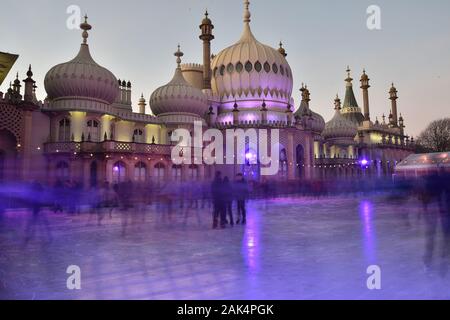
x: 128, y: 94
x: 207, y: 36
x: 393, y: 97
x: 365, y: 88
x: 142, y: 104
x: 29, y: 86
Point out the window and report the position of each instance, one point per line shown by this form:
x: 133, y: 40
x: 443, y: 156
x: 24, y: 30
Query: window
x: 267, y: 67
x: 138, y: 136
x: 62, y: 170
x: 64, y: 130
x: 193, y: 172
x: 222, y: 70
x: 275, y: 68
x: 93, y: 131
x: 230, y: 68
x: 119, y: 172
x: 215, y: 71
x: 176, y: 173
x: 248, y: 66
x: 239, y: 67
x: 282, y: 70
x: 140, y: 172
x: 160, y: 171
x: 283, y: 163
x: 258, y: 66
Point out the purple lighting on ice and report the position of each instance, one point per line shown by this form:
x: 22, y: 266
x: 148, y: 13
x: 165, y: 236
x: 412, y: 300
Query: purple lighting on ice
x: 366, y: 213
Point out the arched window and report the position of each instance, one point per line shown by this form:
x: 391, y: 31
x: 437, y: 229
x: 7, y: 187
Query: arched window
x: 138, y: 136
x: 283, y: 163
x: 176, y: 173
x: 64, y: 130
x: 193, y: 172
x: 140, y: 172
x: 93, y: 131
x: 159, y: 171
x: 119, y: 172
x: 62, y: 170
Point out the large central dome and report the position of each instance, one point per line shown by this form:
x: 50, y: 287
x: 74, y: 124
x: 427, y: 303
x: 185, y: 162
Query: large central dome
x: 251, y: 71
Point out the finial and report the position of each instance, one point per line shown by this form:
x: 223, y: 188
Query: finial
x: 85, y: 26
x: 337, y: 103
x: 206, y: 14
x: 179, y: 54
x: 282, y: 50
x: 29, y: 73
x: 247, y: 14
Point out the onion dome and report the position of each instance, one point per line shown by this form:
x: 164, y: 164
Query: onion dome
x: 82, y: 77
x: 339, y: 127
x: 178, y: 96
x: 251, y: 71
x: 316, y: 121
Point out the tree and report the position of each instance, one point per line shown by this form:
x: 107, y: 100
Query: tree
x: 436, y: 138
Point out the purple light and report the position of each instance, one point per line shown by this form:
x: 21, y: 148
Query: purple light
x: 364, y: 162
x: 116, y: 169
x: 248, y: 156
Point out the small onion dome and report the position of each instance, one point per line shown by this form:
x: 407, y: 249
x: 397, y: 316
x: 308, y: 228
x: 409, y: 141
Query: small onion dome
x: 142, y: 99
x: 317, y: 121
x: 82, y: 77
x: 364, y: 76
x: 206, y: 19
x: 339, y: 127
x: 178, y: 96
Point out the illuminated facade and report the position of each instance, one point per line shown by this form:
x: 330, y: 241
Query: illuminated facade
x: 86, y: 129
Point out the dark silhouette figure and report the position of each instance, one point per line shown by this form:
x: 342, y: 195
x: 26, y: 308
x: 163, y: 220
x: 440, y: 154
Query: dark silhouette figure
x: 241, y: 194
x: 228, y: 200
x: 36, y: 219
x: 218, y: 201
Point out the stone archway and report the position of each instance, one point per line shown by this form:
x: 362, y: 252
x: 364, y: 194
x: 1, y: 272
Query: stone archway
x: 8, y: 155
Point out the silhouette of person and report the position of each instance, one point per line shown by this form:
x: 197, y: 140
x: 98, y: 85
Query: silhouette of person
x: 37, y: 196
x: 241, y: 193
x: 228, y: 200
x: 218, y: 201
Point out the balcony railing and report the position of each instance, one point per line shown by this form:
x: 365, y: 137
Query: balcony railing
x: 107, y: 147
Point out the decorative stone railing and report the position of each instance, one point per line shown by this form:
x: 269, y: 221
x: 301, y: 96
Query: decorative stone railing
x: 107, y: 147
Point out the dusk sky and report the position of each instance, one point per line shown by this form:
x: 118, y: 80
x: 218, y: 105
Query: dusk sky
x: 136, y: 41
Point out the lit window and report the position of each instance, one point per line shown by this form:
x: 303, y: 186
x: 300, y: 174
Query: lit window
x: 138, y: 136
x: 64, y: 130
x: 159, y: 171
x: 119, y: 172
x: 140, y: 172
x: 93, y: 131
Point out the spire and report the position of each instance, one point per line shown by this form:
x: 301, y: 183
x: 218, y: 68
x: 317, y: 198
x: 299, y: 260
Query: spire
x: 179, y: 54
x: 247, y: 14
x: 85, y: 26
x: 349, y: 100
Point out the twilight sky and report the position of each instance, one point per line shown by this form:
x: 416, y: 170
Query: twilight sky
x: 136, y: 39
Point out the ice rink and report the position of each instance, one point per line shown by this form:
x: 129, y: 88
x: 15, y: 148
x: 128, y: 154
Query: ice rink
x: 291, y: 248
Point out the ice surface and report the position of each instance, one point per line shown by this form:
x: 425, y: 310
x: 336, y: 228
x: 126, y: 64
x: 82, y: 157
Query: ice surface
x: 292, y: 248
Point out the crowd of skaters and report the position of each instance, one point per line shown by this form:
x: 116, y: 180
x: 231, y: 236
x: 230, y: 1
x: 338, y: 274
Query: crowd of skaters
x: 226, y: 200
